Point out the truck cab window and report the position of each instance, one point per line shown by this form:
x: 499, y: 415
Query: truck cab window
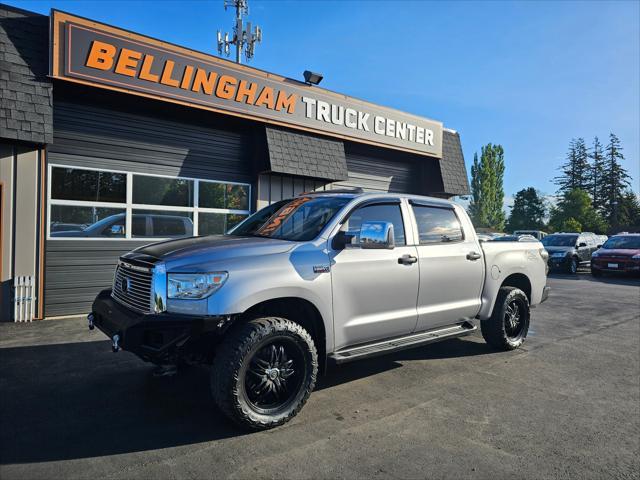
x: 377, y: 213
x: 437, y: 225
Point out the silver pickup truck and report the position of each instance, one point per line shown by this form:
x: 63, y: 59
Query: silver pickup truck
x: 312, y: 282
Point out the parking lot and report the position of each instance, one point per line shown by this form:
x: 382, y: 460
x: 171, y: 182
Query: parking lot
x: 565, y: 405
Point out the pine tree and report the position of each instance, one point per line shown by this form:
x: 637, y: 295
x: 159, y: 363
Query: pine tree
x: 575, y: 172
x: 475, y: 210
x: 528, y: 211
x: 615, y: 181
x: 487, y: 191
x: 575, y: 206
x: 629, y: 212
x: 596, y: 184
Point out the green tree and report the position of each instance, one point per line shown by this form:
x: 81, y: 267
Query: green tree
x: 575, y: 171
x: 487, y: 191
x: 629, y: 212
x: 571, y: 225
x: 598, y: 168
x: 528, y: 211
x: 575, y: 206
x: 616, y: 181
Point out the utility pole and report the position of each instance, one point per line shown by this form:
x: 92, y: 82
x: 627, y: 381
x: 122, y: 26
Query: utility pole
x: 243, y: 38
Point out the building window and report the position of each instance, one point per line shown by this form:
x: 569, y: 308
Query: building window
x: 175, y: 192
x: 88, y: 185
x: 99, y: 204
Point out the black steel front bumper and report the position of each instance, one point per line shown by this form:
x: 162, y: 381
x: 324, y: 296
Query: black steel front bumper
x: 158, y: 338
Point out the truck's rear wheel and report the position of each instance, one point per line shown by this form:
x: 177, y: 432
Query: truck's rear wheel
x: 264, y: 372
x: 509, y: 323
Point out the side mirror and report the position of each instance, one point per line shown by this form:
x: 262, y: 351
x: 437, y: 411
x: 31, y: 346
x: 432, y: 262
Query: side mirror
x: 376, y: 235
x: 582, y: 244
x: 116, y: 230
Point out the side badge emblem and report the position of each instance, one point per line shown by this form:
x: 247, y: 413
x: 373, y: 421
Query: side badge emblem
x: 321, y: 269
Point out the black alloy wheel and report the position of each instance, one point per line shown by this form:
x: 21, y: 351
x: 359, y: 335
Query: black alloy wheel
x: 513, y: 321
x: 274, y: 374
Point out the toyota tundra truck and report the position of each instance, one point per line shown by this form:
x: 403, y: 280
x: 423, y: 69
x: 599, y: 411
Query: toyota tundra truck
x: 310, y: 283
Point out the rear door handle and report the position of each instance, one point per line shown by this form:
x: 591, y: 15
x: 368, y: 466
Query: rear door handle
x: 473, y: 256
x: 407, y: 260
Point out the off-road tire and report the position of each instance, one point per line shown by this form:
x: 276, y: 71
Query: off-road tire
x: 494, y: 329
x: 232, y: 361
x: 572, y: 266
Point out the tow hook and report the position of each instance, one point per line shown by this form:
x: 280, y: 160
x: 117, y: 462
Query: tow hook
x: 115, y: 343
x: 90, y: 319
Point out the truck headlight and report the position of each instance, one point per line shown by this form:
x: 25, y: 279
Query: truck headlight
x: 187, y: 286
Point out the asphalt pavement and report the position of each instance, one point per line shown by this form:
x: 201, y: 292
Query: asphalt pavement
x: 566, y: 405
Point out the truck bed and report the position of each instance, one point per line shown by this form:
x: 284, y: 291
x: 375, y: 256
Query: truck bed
x: 522, y: 260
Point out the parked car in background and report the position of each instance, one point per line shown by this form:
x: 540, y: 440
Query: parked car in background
x: 620, y: 253
x: 142, y: 225
x: 515, y: 238
x: 67, y: 227
x: 601, y: 240
x: 569, y: 250
x: 537, y: 234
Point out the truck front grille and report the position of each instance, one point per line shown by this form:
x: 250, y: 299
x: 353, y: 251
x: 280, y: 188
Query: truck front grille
x: 132, y: 287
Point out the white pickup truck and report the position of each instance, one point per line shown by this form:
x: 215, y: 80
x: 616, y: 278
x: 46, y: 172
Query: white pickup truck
x: 318, y: 280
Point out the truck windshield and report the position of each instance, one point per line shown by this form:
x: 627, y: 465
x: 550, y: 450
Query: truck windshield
x: 300, y: 219
x: 560, y: 240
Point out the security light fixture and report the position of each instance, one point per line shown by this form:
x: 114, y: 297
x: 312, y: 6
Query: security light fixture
x: 312, y: 78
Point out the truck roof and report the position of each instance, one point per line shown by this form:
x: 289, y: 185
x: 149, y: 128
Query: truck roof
x: 357, y: 193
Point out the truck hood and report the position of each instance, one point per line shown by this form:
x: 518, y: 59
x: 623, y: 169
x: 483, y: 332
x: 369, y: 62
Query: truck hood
x: 618, y: 252
x: 209, y: 248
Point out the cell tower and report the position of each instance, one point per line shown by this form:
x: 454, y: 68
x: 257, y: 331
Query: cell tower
x: 243, y: 38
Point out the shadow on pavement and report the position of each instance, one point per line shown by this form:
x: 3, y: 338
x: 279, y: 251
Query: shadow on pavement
x: 79, y: 400
x: 454, y: 348
x: 610, y: 278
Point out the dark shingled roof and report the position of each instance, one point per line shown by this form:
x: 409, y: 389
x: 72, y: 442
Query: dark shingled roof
x: 306, y: 155
x: 25, y: 91
x: 452, y: 167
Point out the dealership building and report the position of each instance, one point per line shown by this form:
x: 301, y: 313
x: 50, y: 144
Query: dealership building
x: 110, y: 139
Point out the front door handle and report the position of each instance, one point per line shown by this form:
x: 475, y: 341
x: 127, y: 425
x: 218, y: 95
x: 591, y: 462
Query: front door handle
x: 473, y: 256
x: 407, y: 260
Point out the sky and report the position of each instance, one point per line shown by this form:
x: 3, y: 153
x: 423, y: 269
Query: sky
x: 527, y: 75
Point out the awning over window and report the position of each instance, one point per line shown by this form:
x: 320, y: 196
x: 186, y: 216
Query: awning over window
x: 306, y: 155
x: 452, y: 167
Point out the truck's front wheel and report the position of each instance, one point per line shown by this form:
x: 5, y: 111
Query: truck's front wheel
x: 264, y: 372
x: 509, y: 323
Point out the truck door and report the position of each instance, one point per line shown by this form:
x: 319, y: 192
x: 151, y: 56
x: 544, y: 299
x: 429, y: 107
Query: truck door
x: 374, y: 291
x: 584, y: 248
x: 451, y: 268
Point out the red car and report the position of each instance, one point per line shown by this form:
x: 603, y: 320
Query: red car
x: 621, y: 253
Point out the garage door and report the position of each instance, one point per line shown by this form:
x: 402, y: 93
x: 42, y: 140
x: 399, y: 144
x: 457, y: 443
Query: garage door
x: 379, y: 175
